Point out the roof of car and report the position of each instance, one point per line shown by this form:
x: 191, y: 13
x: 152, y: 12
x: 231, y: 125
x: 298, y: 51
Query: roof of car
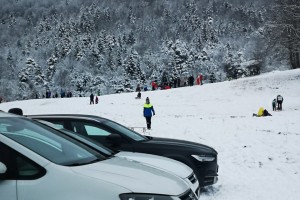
x: 69, y: 115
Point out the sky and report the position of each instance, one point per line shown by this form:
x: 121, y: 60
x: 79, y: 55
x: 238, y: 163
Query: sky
x: 259, y: 157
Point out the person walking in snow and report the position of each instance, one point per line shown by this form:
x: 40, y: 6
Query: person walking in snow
x: 279, y: 102
x: 92, y: 98
x: 96, y: 100
x: 148, y: 110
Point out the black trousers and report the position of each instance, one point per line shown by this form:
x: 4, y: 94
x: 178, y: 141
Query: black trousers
x: 279, y: 105
x: 148, y: 120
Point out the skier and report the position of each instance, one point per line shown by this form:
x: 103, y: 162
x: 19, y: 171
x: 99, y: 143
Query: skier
x: 96, y: 100
x: 148, y: 110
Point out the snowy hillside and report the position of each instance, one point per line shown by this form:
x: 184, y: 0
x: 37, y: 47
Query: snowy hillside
x: 259, y: 158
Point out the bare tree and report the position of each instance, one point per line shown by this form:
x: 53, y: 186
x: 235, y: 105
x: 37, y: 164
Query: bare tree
x: 284, y: 27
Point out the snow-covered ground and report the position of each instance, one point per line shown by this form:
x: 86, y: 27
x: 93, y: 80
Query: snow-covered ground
x: 259, y: 157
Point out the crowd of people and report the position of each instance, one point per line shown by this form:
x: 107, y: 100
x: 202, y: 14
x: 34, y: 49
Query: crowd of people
x: 48, y: 94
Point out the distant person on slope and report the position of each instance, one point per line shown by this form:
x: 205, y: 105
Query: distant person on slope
x: 139, y: 95
x: 274, y: 102
x: 262, y: 113
x: 92, y: 98
x: 279, y: 102
x: 148, y: 110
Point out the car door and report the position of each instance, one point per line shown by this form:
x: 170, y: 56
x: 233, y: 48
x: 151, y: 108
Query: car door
x: 19, y: 169
x: 8, y: 182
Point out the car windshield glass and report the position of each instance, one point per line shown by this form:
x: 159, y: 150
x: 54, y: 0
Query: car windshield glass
x: 47, y: 142
x: 126, y: 131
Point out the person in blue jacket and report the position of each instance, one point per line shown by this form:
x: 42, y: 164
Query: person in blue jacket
x: 148, y: 110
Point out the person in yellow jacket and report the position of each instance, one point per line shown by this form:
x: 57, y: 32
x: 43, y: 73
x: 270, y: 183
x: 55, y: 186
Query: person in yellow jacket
x: 262, y: 113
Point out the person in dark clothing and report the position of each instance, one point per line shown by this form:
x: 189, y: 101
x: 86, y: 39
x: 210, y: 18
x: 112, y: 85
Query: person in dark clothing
x: 279, y: 102
x: 148, y: 110
x: 138, y: 88
x: 139, y: 95
x: 92, y: 98
x: 191, y: 80
x: 274, y: 102
x: 96, y: 100
x: 175, y: 82
x: 145, y: 88
x: 178, y: 82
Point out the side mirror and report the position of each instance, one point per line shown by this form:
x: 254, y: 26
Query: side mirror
x: 114, y: 139
x: 3, y: 170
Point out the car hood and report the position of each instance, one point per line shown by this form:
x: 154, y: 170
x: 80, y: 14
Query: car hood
x: 163, y: 163
x: 182, y: 143
x: 134, y: 176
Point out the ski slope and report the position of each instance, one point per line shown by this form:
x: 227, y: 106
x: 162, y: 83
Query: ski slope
x: 259, y: 157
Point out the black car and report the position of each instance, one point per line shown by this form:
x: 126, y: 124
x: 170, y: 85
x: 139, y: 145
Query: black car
x: 201, y: 158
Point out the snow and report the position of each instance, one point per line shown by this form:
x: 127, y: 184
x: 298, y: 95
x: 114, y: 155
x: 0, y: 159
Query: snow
x: 259, y: 157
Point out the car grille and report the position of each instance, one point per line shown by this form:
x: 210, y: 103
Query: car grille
x: 192, y: 178
x: 188, y: 196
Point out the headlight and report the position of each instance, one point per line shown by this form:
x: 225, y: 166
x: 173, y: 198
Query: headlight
x: 133, y: 196
x: 204, y: 158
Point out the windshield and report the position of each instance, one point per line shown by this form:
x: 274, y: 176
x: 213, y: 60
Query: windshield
x: 47, y: 142
x: 125, y: 131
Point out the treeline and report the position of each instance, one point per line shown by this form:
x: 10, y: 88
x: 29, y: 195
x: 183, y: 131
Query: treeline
x: 85, y: 45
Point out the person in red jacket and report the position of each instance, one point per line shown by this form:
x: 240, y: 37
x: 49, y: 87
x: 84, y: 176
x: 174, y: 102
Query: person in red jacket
x: 198, y: 80
x: 154, y: 85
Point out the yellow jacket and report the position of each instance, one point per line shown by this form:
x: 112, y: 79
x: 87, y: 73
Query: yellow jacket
x: 260, y: 111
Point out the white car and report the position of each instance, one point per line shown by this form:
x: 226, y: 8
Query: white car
x: 172, y: 166
x: 37, y: 163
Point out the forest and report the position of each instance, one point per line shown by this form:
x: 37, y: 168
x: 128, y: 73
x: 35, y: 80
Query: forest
x: 104, y: 46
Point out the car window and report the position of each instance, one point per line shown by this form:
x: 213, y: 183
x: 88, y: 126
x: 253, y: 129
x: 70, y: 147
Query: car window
x: 18, y: 166
x: 92, y: 130
x: 87, y: 128
x: 125, y: 131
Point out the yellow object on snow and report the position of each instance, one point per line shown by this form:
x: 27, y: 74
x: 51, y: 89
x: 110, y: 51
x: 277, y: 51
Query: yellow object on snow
x: 260, y: 111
